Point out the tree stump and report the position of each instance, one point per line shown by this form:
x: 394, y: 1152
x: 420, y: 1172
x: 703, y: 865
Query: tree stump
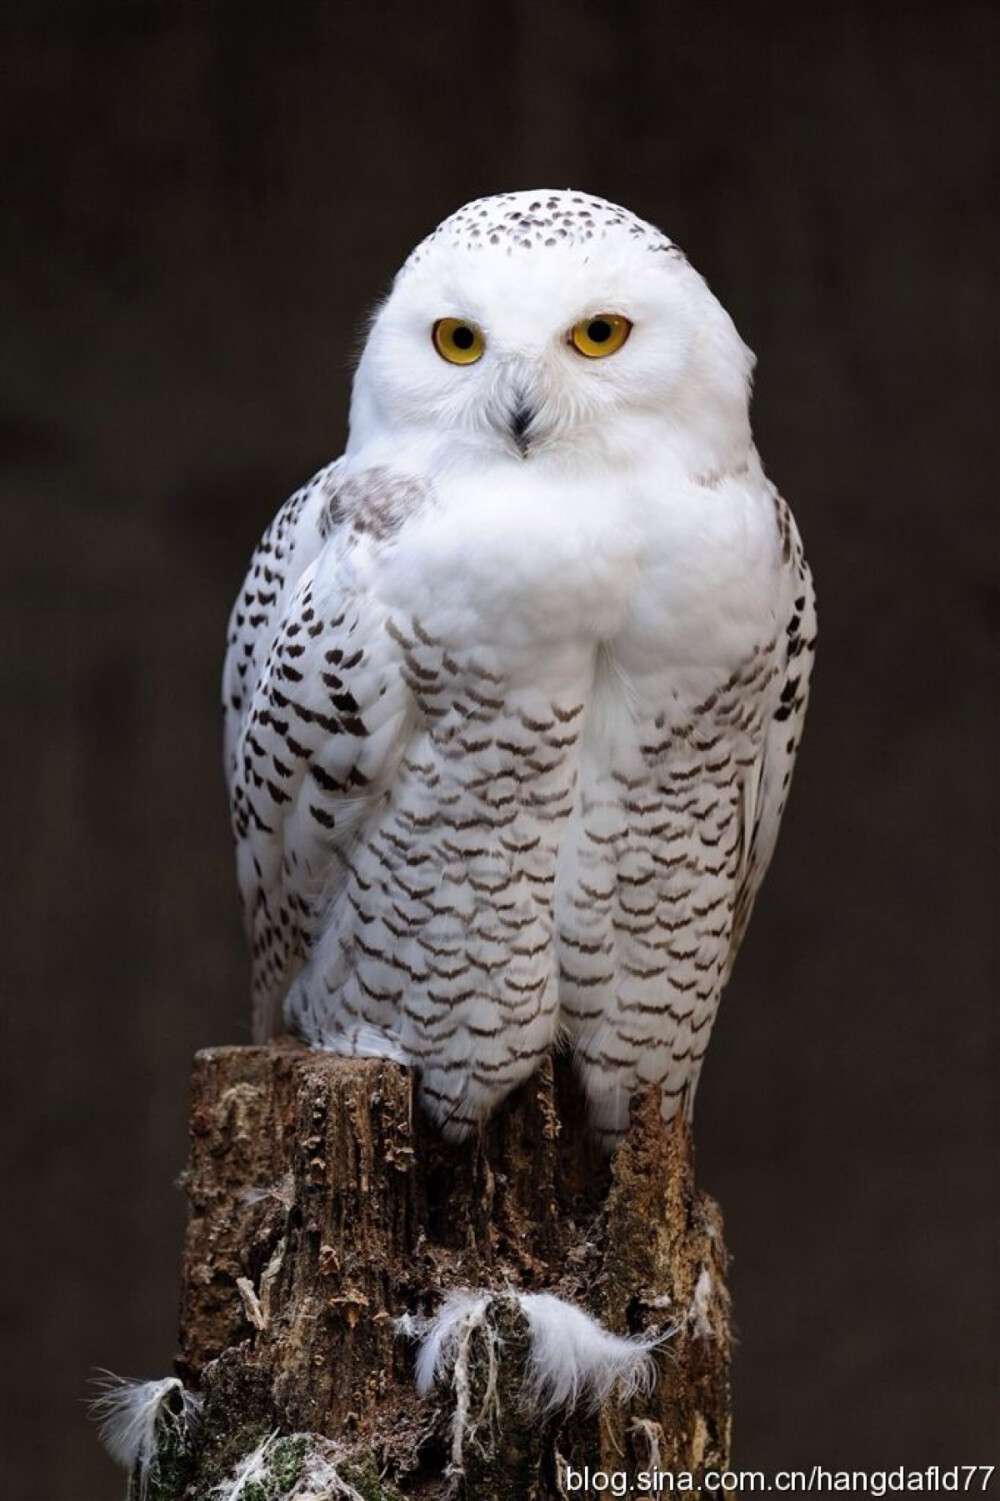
x: 324, y: 1208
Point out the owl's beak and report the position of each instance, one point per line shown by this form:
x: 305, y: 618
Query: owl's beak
x: 516, y: 403
x: 521, y: 418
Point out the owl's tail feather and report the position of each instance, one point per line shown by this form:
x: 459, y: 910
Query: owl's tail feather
x: 362, y: 1041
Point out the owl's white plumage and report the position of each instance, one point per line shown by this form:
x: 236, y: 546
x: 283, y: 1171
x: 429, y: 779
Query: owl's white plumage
x: 514, y: 688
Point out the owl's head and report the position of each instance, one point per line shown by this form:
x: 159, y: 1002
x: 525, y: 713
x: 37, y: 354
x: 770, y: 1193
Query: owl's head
x: 554, y: 326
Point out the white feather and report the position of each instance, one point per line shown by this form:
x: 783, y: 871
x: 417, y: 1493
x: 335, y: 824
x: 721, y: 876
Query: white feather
x: 572, y: 1359
x: 252, y: 1470
x: 319, y: 1478
x: 700, y: 1311
x: 322, y: 1481
x: 129, y: 1412
x: 439, y: 1336
x: 575, y: 1361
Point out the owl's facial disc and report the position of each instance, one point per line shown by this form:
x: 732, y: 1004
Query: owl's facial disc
x: 553, y: 327
x: 517, y: 395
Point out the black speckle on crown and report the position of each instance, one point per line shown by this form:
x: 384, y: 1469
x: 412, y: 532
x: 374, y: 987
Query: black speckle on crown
x: 545, y: 219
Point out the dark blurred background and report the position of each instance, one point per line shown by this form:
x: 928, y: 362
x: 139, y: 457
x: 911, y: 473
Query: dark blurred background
x: 201, y: 200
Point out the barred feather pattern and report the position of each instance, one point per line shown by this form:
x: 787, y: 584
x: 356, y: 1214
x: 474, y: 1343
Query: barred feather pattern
x: 444, y: 932
x: 449, y: 869
x: 664, y: 860
x: 512, y: 710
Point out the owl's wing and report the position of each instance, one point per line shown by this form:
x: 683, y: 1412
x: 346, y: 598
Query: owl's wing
x: 325, y: 720
x: 766, y: 788
x: 293, y: 540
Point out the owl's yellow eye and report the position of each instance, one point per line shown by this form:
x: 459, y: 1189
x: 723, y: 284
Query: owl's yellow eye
x: 600, y: 334
x: 458, y: 341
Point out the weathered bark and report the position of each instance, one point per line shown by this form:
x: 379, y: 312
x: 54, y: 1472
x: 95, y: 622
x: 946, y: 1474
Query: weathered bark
x: 323, y: 1207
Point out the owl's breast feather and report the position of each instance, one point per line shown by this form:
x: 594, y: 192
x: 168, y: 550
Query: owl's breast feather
x: 709, y: 583
x: 516, y: 558
x: 648, y: 558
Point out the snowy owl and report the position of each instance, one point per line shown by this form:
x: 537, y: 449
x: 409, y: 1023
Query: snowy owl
x: 514, y: 687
